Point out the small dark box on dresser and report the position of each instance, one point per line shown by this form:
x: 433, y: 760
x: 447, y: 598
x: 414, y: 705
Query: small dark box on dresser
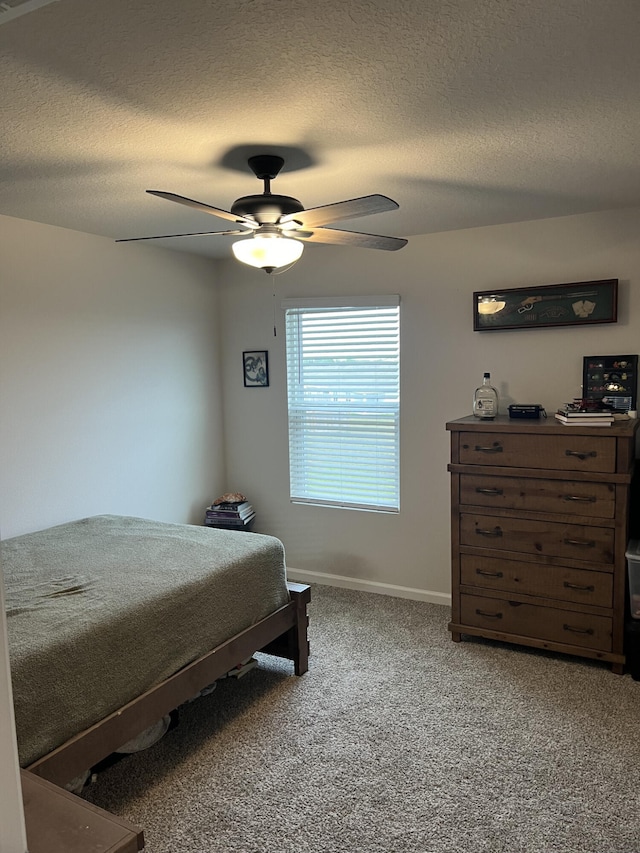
x: 527, y: 411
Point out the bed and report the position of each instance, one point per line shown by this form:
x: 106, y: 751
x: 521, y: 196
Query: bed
x: 113, y: 622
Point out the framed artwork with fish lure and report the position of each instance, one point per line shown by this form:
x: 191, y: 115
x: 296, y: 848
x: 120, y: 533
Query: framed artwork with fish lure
x: 575, y: 304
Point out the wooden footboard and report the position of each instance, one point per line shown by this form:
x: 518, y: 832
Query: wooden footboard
x: 283, y: 633
x: 294, y: 644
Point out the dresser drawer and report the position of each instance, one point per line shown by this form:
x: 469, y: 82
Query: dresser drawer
x: 596, y: 500
x: 558, y: 452
x: 541, y: 538
x: 531, y: 620
x: 558, y: 582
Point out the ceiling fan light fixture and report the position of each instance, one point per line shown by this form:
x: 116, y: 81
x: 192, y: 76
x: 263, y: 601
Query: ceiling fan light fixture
x: 274, y: 226
x: 267, y: 251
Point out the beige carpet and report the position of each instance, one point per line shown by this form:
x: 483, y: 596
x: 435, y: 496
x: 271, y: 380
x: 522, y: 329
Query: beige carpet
x: 397, y: 739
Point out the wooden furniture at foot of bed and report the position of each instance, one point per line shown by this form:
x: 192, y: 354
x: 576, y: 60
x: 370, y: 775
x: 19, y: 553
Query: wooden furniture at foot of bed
x: 282, y: 633
x: 59, y: 822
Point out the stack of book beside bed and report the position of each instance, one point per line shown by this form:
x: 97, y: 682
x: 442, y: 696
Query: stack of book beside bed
x: 230, y: 514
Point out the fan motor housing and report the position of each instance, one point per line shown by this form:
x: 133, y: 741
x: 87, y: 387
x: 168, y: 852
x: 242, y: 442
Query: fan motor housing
x: 266, y: 208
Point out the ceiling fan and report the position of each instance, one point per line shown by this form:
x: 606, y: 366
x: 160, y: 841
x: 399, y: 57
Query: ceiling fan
x: 277, y: 226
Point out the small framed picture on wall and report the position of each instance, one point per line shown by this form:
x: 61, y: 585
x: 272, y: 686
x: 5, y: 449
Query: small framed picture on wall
x: 255, y: 365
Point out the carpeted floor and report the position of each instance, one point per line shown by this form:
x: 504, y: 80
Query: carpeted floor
x: 397, y: 739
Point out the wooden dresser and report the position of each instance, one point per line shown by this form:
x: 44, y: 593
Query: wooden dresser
x: 539, y: 525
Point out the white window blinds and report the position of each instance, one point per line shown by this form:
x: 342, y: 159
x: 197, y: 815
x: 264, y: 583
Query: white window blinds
x: 343, y: 380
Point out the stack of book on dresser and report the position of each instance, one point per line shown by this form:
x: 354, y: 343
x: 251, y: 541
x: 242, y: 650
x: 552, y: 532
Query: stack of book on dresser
x: 585, y: 413
x: 231, y: 510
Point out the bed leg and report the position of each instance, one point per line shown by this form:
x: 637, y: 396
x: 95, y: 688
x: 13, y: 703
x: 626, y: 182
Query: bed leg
x: 293, y: 643
x: 297, y: 636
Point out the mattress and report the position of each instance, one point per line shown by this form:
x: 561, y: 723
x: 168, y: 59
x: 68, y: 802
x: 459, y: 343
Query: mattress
x: 101, y: 609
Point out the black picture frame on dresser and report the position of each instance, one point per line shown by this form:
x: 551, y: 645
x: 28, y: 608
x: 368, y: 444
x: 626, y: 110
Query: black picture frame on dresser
x: 612, y: 379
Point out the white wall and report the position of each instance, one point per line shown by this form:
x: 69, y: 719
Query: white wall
x: 442, y: 361
x: 109, y: 380
x: 109, y: 401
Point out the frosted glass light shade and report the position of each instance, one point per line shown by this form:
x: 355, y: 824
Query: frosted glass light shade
x: 267, y: 251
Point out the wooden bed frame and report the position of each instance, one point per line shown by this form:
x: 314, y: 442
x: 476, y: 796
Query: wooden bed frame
x: 282, y: 633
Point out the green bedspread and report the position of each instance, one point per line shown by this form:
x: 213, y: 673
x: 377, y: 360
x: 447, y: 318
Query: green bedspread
x: 101, y: 609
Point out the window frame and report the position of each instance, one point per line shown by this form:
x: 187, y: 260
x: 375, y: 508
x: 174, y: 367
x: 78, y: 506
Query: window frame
x: 328, y: 433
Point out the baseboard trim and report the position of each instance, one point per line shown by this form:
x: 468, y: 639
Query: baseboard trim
x: 304, y: 576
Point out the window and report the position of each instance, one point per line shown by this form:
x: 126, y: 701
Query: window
x: 343, y: 381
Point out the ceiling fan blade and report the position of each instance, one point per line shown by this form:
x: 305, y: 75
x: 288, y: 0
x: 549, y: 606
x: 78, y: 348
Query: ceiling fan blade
x: 205, y: 208
x: 192, y: 234
x: 338, y: 237
x: 315, y: 217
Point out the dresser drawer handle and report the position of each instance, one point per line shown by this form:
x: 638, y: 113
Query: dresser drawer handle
x: 587, y: 499
x: 575, y: 630
x: 487, y: 574
x: 493, y: 492
x: 580, y: 455
x: 582, y: 587
x: 493, y: 448
x: 580, y: 543
x: 495, y: 533
x: 488, y: 615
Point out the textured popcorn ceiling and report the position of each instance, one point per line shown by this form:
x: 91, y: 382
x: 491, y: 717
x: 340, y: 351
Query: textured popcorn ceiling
x: 467, y: 112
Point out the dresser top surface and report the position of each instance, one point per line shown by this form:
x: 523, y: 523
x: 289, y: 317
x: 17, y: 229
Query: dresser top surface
x: 543, y: 426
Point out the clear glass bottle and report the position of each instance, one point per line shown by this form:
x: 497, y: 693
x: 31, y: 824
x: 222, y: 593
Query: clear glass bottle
x: 485, y: 399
